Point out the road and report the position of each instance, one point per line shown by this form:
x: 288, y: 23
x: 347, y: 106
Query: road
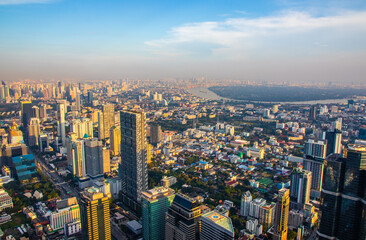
x: 64, y: 187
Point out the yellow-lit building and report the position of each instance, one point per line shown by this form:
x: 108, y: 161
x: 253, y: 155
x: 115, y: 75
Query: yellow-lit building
x: 95, y: 219
x: 115, y: 140
x: 280, y: 228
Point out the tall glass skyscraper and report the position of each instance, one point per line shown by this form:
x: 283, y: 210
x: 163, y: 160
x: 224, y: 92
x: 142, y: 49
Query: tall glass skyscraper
x: 133, y: 167
x: 343, y: 196
x: 155, y: 204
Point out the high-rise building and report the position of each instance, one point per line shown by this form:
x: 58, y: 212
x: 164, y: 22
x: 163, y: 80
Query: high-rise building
x: 312, y: 114
x: 266, y: 214
x: 76, y: 156
x: 61, y: 112
x: 94, y: 212
x: 334, y: 140
x: 67, y: 211
x: 343, y: 202
x: 155, y: 204
x: 300, y: 187
x: 78, y: 101
x: 315, y: 148
x: 362, y: 132
x: 97, y: 158
x: 34, y: 130
x: 26, y: 108
x: 216, y: 226
x: 245, y: 200
x: 133, y: 167
x: 280, y: 228
x: 106, y: 121
x: 316, y: 167
x: 155, y: 134
x: 337, y: 125
x: 183, y: 219
x: 82, y: 127
x: 35, y: 112
x: 115, y: 140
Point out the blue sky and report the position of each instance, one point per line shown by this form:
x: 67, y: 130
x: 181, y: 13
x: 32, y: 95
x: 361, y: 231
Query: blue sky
x: 279, y: 40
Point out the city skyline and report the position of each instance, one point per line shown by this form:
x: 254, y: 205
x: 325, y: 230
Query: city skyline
x: 292, y: 41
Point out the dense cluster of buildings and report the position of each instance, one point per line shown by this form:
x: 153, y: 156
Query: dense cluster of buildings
x: 299, y: 170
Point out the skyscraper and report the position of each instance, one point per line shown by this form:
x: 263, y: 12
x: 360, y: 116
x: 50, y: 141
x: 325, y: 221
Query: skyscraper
x: 155, y: 134
x: 216, y: 226
x: 280, y: 228
x: 155, y: 204
x: 106, y: 121
x: 34, y: 130
x: 94, y: 212
x: 312, y: 114
x: 343, y: 201
x: 97, y: 159
x: 133, y: 167
x: 300, y: 187
x: 76, y: 156
x: 315, y: 153
x: 26, y: 108
x: 246, y: 198
x: 183, y: 219
x: 334, y: 140
x: 115, y: 140
x: 315, y: 148
x: 61, y: 112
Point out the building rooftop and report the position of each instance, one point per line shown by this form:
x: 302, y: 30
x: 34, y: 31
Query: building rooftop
x: 156, y: 193
x: 220, y: 220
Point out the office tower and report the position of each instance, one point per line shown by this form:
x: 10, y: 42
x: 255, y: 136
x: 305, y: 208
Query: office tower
x: 155, y: 134
x: 254, y: 207
x: 83, y: 128
x: 94, y: 212
x: 183, y: 219
x: 312, y: 114
x: 246, y: 198
x: 315, y: 152
x: 61, y: 112
x: 106, y: 121
x: 133, y: 167
x: 43, y: 142
x: 35, y: 112
x: 315, y: 148
x: 115, y: 140
x: 43, y: 112
x: 266, y: 214
x: 90, y: 98
x: 97, y: 159
x: 281, y: 215
x: 78, y: 101
x: 76, y: 157
x: 27, y: 111
x: 337, y: 125
x: 266, y: 113
x: 67, y: 211
x: 300, y: 187
x: 155, y: 204
x: 343, y: 196
x: 34, y: 130
x: 216, y: 226
x: 334, y: 140
x: 275, y: 108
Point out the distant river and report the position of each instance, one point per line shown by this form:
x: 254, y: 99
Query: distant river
x: 207, y: 94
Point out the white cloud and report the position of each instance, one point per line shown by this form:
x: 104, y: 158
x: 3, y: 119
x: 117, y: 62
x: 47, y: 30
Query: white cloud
x: 234, y: 33
x: 16, y: 2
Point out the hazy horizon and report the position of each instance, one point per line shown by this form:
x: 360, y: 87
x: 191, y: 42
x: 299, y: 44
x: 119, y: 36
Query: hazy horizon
x: 278, y: 40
